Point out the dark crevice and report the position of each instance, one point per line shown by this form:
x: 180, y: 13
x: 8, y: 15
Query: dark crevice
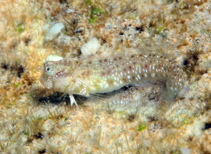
x: 42, y: 151
x: 27, y: 41
x: 131, y: 117
x: 121, y: 33
x: 19, y: 69
x: 191, y: 62
x: 56, y: 98
x: 59, y: 97
x: 39, y: 135
x: 140, y: 29
x: 4, y: 66
x: 207, y: 126
x: 63, y: 1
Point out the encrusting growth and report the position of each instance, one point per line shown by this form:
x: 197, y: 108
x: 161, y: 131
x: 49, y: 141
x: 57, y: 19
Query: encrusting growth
x: 106, y: 75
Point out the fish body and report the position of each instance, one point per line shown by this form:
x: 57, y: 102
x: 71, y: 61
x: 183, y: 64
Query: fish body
x: 86, y: 77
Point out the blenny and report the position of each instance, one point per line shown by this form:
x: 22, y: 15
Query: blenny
x: 85, y: 77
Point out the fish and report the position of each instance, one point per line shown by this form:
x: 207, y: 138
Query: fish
x: 103, y: 75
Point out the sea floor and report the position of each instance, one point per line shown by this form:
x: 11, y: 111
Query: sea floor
x: 34, y: 119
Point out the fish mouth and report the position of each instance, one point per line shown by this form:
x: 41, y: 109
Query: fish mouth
x: 59, y: 73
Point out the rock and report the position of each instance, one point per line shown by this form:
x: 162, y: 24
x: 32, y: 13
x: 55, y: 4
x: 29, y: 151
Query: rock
x: 54, y: 31
x: 185, y: 150
x: 53, y: 58
x: 91, y: 47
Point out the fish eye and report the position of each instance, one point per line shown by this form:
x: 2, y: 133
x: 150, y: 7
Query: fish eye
x: 48, y: 69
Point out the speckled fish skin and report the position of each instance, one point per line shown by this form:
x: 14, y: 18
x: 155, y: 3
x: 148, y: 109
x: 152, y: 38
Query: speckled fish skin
x: 106, y: 75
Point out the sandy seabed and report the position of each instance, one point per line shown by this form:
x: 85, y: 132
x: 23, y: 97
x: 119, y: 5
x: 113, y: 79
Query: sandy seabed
x: 34, y: 119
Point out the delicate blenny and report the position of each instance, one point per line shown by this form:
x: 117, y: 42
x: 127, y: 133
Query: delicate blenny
x: 106, y: 75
